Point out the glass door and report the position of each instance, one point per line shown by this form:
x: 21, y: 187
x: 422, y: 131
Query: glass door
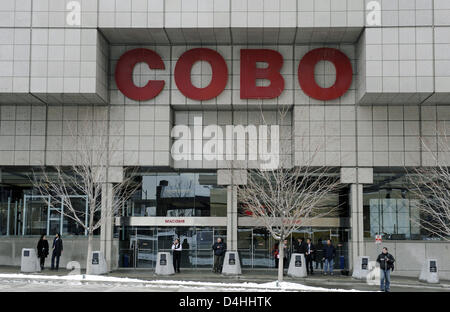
x: 187, y: 240
x: 262, y: 249
x: 204, y: 241
x: 245, y: 247
x: 145, y: 248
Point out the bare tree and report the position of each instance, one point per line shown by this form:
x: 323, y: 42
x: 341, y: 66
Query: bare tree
x: 430, y: 186
x: 86, y: 174
x: 287, y: 197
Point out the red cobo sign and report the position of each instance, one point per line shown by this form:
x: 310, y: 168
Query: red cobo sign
x: 249, y: 73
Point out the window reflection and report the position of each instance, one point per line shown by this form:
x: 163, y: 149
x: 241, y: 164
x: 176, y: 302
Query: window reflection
x: 391, y: 210
x: 179, y: 195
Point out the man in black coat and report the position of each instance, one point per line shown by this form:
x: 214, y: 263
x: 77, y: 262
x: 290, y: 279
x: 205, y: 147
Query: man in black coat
x: 329, y: 253
x: 386, y: 261
x: 219, y: 248
x: 57, y: 250
x: 310, y: 250
x: 300, y: 247
x: 42, y: 249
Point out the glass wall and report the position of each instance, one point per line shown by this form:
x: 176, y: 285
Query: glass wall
x: 391, y: 210
x: 139, y: 245
x: 334, y: 204
x: 256, y: 245
x: 23, y: 211
x: 178, y: 195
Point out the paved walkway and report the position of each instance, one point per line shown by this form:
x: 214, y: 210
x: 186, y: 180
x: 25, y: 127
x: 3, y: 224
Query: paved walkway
x: 262, y: 276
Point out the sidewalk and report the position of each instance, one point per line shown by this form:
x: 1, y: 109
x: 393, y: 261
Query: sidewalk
x: 259, y: 276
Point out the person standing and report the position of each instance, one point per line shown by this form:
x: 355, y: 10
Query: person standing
x: 276, y: 255
x: 386, y: 261
x: 176, y: 250
x: 57, y: 250
x: 319, y: 254
x: 328, y: 255
x: 42, y: 249
x: 219, y: 248
x: 300, y: 246
x: 286, y: 254
x: 310, y: 250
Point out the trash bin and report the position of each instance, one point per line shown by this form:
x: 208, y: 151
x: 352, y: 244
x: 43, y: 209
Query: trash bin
x: 341, y: 262
x: 126, y: 261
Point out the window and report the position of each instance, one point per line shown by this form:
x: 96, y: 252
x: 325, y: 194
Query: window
x: 391, y: 210
x: 23, y: 211
x: 178, y: 195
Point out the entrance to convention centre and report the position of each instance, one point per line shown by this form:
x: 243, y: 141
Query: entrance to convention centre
x: 139, y: 246
x: 256, y: 245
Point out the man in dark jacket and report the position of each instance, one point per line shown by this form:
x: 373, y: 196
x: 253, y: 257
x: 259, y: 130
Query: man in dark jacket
x: 328, y: 255
x: 318, y: 257
x: 42, y: 249
x: 57, y: 250
x: 300, y: 247
x: 310, y: 250
x: 386, y: 261
x: 219, y: 248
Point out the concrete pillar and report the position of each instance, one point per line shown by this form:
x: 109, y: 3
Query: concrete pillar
x: 356, y: 224
x: 231, y: 179
x: 356, y: 177
x: 107, y: 225
x: 232, y: 217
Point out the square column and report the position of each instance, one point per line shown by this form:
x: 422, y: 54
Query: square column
x: 232, y: 217
x: 107, y: 226
x: 356, y: 223
x: 356, y: 177
x: 232, y: 178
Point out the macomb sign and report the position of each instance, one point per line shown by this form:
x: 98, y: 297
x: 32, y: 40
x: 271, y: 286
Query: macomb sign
x: 249, y: 74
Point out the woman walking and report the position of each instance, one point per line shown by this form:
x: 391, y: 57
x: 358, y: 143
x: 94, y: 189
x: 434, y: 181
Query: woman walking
x: 42, y: 249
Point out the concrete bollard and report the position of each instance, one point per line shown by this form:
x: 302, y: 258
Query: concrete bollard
x: 231, y: 264
x: 29, y: 261
x: 297, y: 266
x: 164, y: 264
x: 98, y: 263
x: 430, y: 272
x: 361, y: 268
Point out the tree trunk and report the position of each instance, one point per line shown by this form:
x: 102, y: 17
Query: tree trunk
x: 281, y: 261
x: 89, y: 255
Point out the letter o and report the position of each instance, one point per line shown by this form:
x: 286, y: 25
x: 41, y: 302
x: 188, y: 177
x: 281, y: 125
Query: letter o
x: 183, y: 74
x: 124, y: 74
x: 306, y: 77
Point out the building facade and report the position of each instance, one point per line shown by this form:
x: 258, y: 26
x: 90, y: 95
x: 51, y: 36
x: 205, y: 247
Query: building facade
x: 363, y: 106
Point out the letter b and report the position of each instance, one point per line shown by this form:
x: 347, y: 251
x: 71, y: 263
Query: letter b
x: 250, y: 73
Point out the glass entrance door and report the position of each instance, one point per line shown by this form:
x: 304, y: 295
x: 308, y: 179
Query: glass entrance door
x: 245, y: 247
x: 263, y: 244
x: 205, y: 240
x: 145, y: 247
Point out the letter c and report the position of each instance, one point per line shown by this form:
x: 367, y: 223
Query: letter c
x: 124, y: 74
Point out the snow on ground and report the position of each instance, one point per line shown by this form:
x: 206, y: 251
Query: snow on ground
x: 162, y: 284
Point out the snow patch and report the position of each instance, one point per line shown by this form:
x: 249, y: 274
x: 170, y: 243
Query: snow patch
x: 73, y: 279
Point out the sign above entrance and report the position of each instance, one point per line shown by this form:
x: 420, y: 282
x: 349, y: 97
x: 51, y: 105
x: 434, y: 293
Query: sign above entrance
x: 250, y: 72
x: 174, y: 221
